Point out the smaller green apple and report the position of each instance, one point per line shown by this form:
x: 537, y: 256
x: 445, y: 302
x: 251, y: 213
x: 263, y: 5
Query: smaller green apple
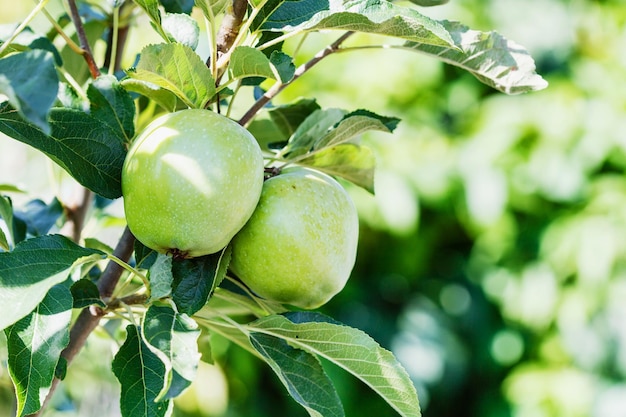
x: 190, y: 181
x: 299, y: 246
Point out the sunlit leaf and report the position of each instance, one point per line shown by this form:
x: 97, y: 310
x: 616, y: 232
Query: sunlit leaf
x: 246, y: 61
x: 494, y: 60
x: 354, y: 124
x: 302, y: 374
x: 174, y: 338
x: 29, y: 79
x: 211, y: 8
x: 34, y: 345
x: 163, y: 97
x: 80, y: 143
x: 177, y: 68
x: 31, y: 269
x: 160, y: 276
x: 141, y: 374
x: 308, y: 133
x: 349, y: 161
x: 352, y: 350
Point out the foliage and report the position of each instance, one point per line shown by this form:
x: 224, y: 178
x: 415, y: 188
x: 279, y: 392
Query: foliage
x: 162, y: 310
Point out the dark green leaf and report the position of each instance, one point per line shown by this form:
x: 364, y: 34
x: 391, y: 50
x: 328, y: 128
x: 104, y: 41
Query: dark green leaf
x: 276, y: 14
x: 31, y: 269
x: 85, y: 293
x: 39, y: 217
x: 112, y: 105
x: 141, y: 374
x: 27, y: 39
x: 289, y: 116
x: 35, y: 343
x: 349, y: 161
x: 181, y: 28
x: 429, y: 3
x: 352, y: 350
x: 6, y: 214
x: 144, y: 256
x: 284, y: 65
x: 174, y: 338
x: 80, y: 143
x: 494, y: 60
x: 178, y: 6
x: 160, y: 276
x: 176, y: 68
x: 29, y: 79
x: 196, y: 278
x: 302, y: 374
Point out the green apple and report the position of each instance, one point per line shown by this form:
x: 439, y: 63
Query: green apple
x: 190, y: 181
x: 299, y: 246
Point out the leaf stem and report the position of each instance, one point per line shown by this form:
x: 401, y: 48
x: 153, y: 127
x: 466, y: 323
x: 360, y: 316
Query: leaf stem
x: 280, y: 86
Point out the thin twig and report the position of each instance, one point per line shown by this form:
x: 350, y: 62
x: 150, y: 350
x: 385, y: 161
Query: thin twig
x: 278, y: 87
x: 89, y: 318
x: 84, y: 42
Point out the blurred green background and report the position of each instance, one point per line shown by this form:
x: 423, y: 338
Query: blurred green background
x: 492, y: 259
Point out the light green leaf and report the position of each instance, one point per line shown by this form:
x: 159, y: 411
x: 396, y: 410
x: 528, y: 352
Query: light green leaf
x: 160, y: 276
x: 246, y: 61
x: 29, y: 79
x: 4, y: 243
x: 349, y: 161
x: 177, y: 68
x: 302, y: 374
x: 151, y: 7
x: 370, y: 16
x: 211, y: 8
x: 32, y: 268
x: 173, y: 338
x: 79, y: 142
x: 161, y: 96
x: 35, y: 343
x: 10, y: 188
x: 181, y: 28
x: 494, y: 60
x: 352, y: 350
x: 141, y: 374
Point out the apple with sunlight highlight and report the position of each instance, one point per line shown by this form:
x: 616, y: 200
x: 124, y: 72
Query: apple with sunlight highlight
x: 190, y: 181
x: 299, y: 246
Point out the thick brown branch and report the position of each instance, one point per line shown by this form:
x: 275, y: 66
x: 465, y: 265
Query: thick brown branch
x: 89, y: 318
x: 84, y: 42
x: 278, y: 87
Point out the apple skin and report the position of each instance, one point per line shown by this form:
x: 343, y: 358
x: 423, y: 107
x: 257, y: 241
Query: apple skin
x: 190, y: 181
x: 299, y: 246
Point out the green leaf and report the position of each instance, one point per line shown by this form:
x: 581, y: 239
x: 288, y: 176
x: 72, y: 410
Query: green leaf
x: 174, y: 338
x: 195, y: 279
x: 161, y: 96
x: 176, y: 68
x: 29, y: 79
x: 283, y: 64
x: 181, y: 28
x: 4, y: 243
x: 144, y: 256
x: 31, y: 269
x: 352, y: 350
x: 160, y: 276
x: 26, y: 40
x: 80, y: 143
x: 112, y: 105
x: 429, y: 3
x: 39, y: 217
x: 151, y: 7
x: 141, y: 374
x: 302, y: 374
x: 494, y: 60
x: 309, y: 132
x: 10, y: 188
x: 246, y: 61
x: 354, y: 124
x: 35, y: 343
x: 85, y: 293
x: 6, y: 214
x: 349, y: 161
x: 370, y: 16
